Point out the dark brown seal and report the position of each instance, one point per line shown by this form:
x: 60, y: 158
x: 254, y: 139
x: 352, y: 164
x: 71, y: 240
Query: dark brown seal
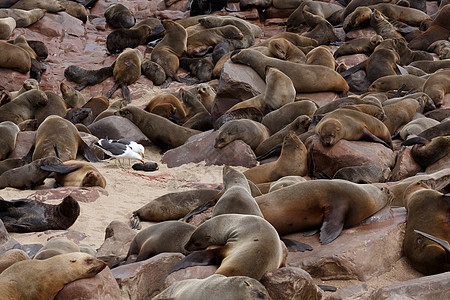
x: 85, y: 77
x: 8, y: 135
x: 119, y: 16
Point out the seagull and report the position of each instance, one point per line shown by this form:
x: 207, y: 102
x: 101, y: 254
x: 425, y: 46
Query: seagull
x: 122, y: 149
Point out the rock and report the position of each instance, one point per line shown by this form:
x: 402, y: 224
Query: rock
x: 359, y: 33
x: 116, y: 127
x: 12, y: 80
x: 81, y: 194
x: 237, y: 83
x: 357, y: 291
x: 348, y: 153
x: 358, y: 82
x: 145, y: 279
x: 196, y: 272
x: 48, y: 27
x: 24, y: 142
x: 351, y: 60
x: 118, y: 237
x: 439, y: 165
x: 320, y: 99
x: 6, y: 241
x: 70, y: 24
x: 427, y: 287
x: 361, y: 252
x: 405, y: 165
x: 290, y: 283
x: 201, y: 148
x: 31, y: 249
x: 102, y: 286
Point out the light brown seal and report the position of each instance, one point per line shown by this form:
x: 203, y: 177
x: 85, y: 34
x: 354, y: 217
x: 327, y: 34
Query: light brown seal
x: 321, y: 56
x: 156, y: 128
x: 321, y: 30
x: 415, y: 127
x: 199, y: 42
x: 7, y: 25
x: 216, y: 287
x: 329, y: 204
x: 284, y: 49
x: 29, y: 279
x: 427, y: 213
x: 322, y: 9
x: 352, y: 125
x: 11, y: 163
x: 437, y: 85
x: 359, y: 45
x: 250, y: 132
x: 394, y: 82
x: 83, y: 174
x: 127, y: 70
x: 24, y: 18
x: 284, y: 182
x: 10, y: 257
x: 306, y: 78
x: 248, y: 245
x: 48, y: 5
x: 60, y: 138
x: 23, y: 107
x: 292, y: 161
x: 56, y: 246
x: 402, y: 112
x: 15, y: 58
x: 167, y: 106
x: 441, y: 48
x: 426, y: 152
x: 363, y: 174
x: 8, y: 136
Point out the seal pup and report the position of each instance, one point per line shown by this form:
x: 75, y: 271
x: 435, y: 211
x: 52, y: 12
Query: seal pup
x: 198, y: 67
x: 329, y: 204
x: 31, y: 279
x: 153, y: 71
x: 364, y: 45
x: 72, y: 97
x: 250, y: 132
x: 56, y: 246
x: 85, y: 77
x: 118, y: 15
x: 415, y: 127
x: 441, y: 48
x: 248, y: 245
x: 216, y: 287
x: 8, y: 136
x: 127, y: 70
x: 11, y: 163
x: 292, y: 161
x: 25, y: 215
x: 167, y: 236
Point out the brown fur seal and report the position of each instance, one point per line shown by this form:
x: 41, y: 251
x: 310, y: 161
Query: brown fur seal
x: 215, y: 287
x: 292, y: 161
x: 56, y: 134
x: 321, y: 56
x: 55, y: 106
x: 284, y: 182
x: 167, y: 236
x: 279, y: 92
x: 331, y: 204
x: 248, y: 245
x: 153, y: 71
x: 198, y: 67
x: 11, y: 163
x: 10, y: 257
x: 415, y: 127
x: 358, y: 45
x: 85, y: 77
x: 279, y: 118
x: 427, y: 213
x: 250, y: 132
x: 56, y: 246
x: 346, y: 101
x: 48, y: 5
x: 408, y: 15
x: 284, y: 49
x: 360, y: 17
x: 237, y: 197
x: 156, y: 128
x: 27, y: 176
x: 313, y: 78
x: 8, y: 135
x: 127, y: 70
x: 167, y: 106
x: 75, y: 9
x: 24, y: 18
x: 363, y: 174
x: 15, y: 58
x: 7, y: 25
x: 321, y: 30
x: 23, y: 107
x: 394, y: 82
x: 119, y: 16
x: 402, y: 112
x: 198, y: 43
x: 322, y: 9
x: 298, y: 126
x: 437, y: 85
x: 431, y: 66
x: 25, y: 215
x: 207, y: 95
x: 169, y: 50
x: 352, y: 125
x: 441, y: 48
x: 197, y: 116
x: 29, y: 279
x: 84, y: 176
x: 112, y: 108
x: 427, y: 152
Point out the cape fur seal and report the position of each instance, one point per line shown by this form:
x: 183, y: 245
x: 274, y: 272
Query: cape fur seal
x: 437, y: 85
x: 43, y: 279
x: 85, y: 77
x: 83, y: 174
x: 23, y: 18
x: 118, y: 15
x: 8, y: 135
x: 329, y: 204
x: 250, y: 132
x: 15, y: 58
x: 25, y: 215
x: 199, y: 42
x: 56, y: 246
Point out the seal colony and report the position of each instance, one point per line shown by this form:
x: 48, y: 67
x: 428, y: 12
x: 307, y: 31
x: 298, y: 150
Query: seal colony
x: 294, y: 130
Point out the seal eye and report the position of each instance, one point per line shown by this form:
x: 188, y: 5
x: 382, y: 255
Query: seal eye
x: 73, y: 260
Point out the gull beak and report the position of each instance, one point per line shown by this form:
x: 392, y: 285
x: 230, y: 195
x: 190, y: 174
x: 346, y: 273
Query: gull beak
x: 142, y: 161
x: 143, y: 154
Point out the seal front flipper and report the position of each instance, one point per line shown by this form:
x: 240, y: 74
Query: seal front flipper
x: 295, y: 246
x: 415, y: 140
x: 439, y: 241
x: 199, y: 209
x: 333, y: 222
x: 366, y: 134
x: 87, y: 152
x: 199, y: 258
x: 61, y: 168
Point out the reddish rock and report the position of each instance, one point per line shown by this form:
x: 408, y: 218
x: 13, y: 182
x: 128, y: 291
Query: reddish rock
x: 320, y: 99
x: 12, y: 80
x: 359, y: 33
x: 360, y: 252
x: 237, y: 83
x: 357, y: 291
x: 290, y: 283
x: 24, y: 142
x: 426, y: 287
x: 145, y: 279
x: 102, y: 286
x: 197, y: 272
x: 405, y: 165
x: 201, y: 148
x: 48, y: 27
x: 118, y: 237
x: 73, y: 235
x: 340, y: 34
x: 439, y: 165
x: 70, y: 24
x: 6, y: 241
x: 81, y: 194
x: 348, y: 153
x: 351, y: 60
x: 116, y: 127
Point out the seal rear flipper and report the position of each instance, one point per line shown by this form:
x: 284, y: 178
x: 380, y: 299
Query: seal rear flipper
x: 126, y: 92
x: 327, y: 288
x: 112, y: 90
x: 199, y: 258
x: 353, y: 69
x: 311, y: 232
x: 61, y: 168
x: 366, y: 134
x: 199, y: 209
x: 415, y: 140
x: 87, y: 152
x: 275, y: 151
x: 333, y: 222
x: 29, y: 156
x: 444, y: 244
x: 295, y: 246
x: 80, y: 87
x: 135, y: 222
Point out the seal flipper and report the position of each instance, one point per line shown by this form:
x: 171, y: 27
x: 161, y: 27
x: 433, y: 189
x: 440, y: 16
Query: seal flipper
x: 311, y: 232
x: 295, y: 246
x: 199, y: 258
x: 415, y: 140
x: 135, y: 222
x: 126, y: 92
x: 444, y: 244
x: 333, y: 222
x: 199, y: 209
x: 366, y: 134
x: 87, y: 152
x: 61, y: 168
x: 112, y: 90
